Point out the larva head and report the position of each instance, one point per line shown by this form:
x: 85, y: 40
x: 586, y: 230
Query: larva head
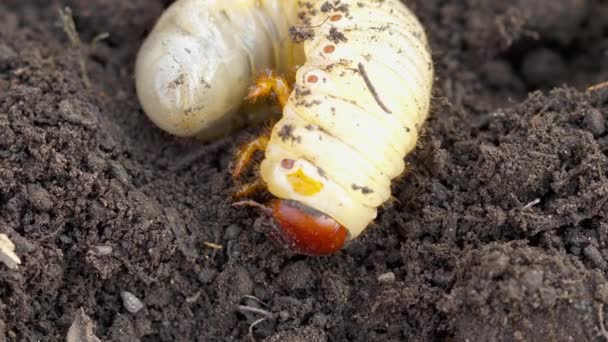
x: 305, y: 230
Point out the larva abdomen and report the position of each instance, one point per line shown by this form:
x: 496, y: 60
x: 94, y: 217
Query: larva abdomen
x: 369, y: 63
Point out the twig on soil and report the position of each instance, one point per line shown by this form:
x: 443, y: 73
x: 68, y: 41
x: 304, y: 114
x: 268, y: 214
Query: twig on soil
x: 253, y: 325
x: 598, y: 86
x: 212, y: 245
x: 256, y: 299
x: 267, y: 314
x: 245, y: 308
x: 531, y: 204
x: 69, y: 27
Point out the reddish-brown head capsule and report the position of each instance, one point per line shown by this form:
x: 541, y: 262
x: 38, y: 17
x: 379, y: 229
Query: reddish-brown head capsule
x: 306, y: 230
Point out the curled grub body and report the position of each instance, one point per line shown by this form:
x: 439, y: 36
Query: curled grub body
x: 362, y: 91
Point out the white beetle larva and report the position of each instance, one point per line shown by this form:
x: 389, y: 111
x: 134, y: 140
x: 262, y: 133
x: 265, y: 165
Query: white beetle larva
x: 360, y: 96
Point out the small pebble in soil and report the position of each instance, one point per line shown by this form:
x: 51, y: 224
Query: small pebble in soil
x: 118, y: 172
x: 100, y: 250
x: 131, y: 302
x: 595, y: 256
x: 40, y: 198
x: 232, y: 232
x: 594, y: 121
x: 94, y: 162
x: 386, y: 278
x: 206, y: 275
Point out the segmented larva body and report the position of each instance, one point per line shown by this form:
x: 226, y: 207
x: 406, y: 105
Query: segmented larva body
x: 361, y: 94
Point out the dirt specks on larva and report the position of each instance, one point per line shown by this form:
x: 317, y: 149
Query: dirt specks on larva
x: 286, y: 134
x: 336, y: 36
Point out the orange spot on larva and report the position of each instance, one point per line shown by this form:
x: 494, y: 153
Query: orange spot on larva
x: 335, y: 17
x: 312, y: 79
x: 329, y: 48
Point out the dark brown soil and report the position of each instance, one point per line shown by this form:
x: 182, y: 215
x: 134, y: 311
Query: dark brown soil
x: 500, y: 231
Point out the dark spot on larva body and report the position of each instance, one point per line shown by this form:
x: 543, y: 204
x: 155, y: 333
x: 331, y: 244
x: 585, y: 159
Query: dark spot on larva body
x: 336, y: 36
x: 177, y: 82
x: 353, y: 102
x: 225, y: 15
x: 301, y: 91
x: 321, y: 172
x: 309, y: 127
x: 308, y: 104
x: 286, y: 134
x: 191, y: 110
x: 307, y: 12
x: 364, y: 189
x: 300, y: 34
x: 407, y: 129
x: 306, y: 4
x: 326, y: 7
x: 336, y: 6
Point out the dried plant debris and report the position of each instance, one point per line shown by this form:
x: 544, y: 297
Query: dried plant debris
x: 81, y: 329
x: 7, y: 252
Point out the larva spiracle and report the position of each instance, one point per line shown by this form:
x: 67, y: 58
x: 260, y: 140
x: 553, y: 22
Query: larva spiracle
x: 361, y: 93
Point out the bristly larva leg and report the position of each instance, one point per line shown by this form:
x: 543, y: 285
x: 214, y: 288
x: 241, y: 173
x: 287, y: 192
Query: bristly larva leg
x: 266, y: 84
x: 245, y: 153
x: 269, y: 83
x: 249, y: 189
